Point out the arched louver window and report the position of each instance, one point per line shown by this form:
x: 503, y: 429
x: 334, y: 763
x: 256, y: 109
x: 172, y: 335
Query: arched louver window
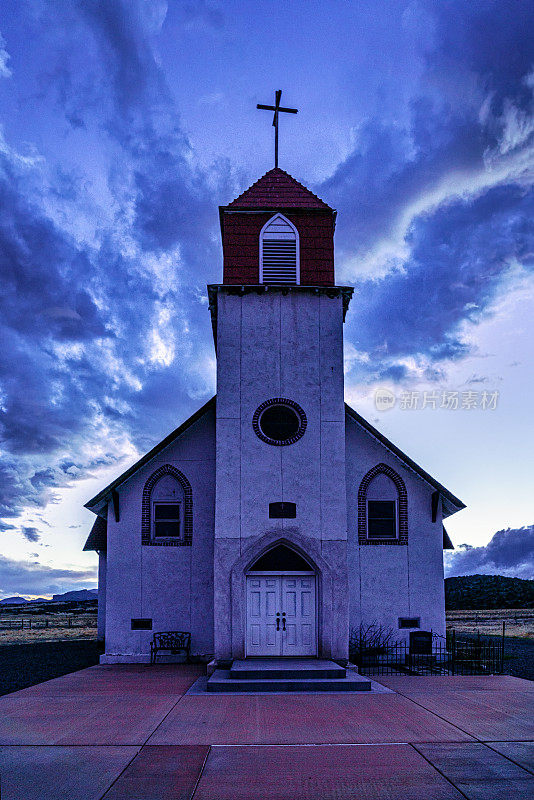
x: 279, y: 252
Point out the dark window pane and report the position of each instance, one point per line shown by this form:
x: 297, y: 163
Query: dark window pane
x: 279, y: 423
x: 167, y: 511
x: 381, y: 522
x: 381, y: 529
x: 166, y: 528
x: 384, y: 509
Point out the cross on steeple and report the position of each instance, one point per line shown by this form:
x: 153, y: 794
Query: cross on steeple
x: 276, y: 108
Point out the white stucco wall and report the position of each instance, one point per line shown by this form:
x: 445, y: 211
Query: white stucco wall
x: 272, y: 345
x: 101, y: 616
x: 173, y: 586
x: 391, y: 581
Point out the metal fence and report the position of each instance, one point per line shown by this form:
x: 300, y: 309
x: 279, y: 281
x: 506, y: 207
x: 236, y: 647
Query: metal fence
x: 451, y: 656
x: 31, y: 623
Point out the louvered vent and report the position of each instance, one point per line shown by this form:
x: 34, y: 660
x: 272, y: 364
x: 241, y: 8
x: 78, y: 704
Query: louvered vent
x: 279, y: 253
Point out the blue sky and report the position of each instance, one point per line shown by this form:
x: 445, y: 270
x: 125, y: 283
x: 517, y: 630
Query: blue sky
x: 125, y: 124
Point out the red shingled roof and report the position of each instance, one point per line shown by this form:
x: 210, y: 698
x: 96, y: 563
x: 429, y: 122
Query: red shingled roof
x: 277, y: 189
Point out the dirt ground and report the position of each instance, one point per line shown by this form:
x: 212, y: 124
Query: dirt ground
x: 24, y: 665
x: 519, y: 657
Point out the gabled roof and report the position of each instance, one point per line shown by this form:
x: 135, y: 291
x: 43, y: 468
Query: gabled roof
x: 98, y: 538
x: 105, y: 494
x: 277, y: 189
x: 451, y: 504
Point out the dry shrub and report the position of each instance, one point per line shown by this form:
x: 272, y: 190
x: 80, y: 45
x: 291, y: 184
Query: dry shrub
x: 373, y: 639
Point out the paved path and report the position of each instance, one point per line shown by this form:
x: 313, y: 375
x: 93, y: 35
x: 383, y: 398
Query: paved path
x: 133, y: 733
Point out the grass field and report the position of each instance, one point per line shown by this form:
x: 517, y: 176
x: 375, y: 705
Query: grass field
x: 53, y: 622
x: 519, y: 622
x: 49, y: 622
x: 519, y: 634
x: 61, y: 634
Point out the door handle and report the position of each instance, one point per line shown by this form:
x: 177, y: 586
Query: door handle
x: 278, y: 621
x: 283, y: 623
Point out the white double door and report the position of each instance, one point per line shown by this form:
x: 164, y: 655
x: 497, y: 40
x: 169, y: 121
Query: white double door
x: 281, y: 615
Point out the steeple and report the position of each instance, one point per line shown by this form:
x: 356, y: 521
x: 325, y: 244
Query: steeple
x: 250, y: 221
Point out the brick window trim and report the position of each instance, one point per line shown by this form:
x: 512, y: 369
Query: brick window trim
x: 146, y: 537
x: 402, y: 538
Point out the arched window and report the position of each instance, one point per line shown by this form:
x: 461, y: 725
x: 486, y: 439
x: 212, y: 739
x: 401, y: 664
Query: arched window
x: 382, y: 507
x: 167, y: 509
x: 279, y: 252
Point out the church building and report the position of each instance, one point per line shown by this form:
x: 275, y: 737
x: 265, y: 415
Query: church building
x: 275, y: 519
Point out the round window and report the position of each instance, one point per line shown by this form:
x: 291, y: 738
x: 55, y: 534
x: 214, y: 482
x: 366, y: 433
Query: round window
x: 279, y: 421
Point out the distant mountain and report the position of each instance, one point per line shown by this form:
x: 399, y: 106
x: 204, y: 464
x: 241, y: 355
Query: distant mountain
x: 13, y: 601
x: 488, y: 591
x: 80, y: 594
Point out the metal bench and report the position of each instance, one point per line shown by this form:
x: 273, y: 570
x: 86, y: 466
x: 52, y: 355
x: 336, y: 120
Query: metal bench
x: 173, y: 641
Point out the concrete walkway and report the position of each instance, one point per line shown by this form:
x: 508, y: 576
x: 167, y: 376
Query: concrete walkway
x: 133, y: 733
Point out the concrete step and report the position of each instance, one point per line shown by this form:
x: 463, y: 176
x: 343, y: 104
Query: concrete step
x: 286, y: 668
x: 221, y: 681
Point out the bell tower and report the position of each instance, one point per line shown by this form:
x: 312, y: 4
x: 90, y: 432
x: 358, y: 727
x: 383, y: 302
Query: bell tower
x: 280, y: 432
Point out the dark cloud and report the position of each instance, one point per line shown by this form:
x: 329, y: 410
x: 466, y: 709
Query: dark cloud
x: 100, y: 312
x: 492, y: 39
x: 93, y: 320
x: 172, y: 201
x: 31, y: 534
x: 509, y: 552
x: 459, y: 258
x: 41, y: 292
x: 435, y: 209
x: 30, y: 578
x: 393, y: 167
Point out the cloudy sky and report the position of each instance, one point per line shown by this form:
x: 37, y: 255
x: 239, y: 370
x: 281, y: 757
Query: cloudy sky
x: 125, y: 123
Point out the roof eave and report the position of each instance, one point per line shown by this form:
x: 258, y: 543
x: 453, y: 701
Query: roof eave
x: 447, y: 542
x: 97, y: 539
x: 100, y: 501
x: 272, y: 208
x: 450, y: 503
